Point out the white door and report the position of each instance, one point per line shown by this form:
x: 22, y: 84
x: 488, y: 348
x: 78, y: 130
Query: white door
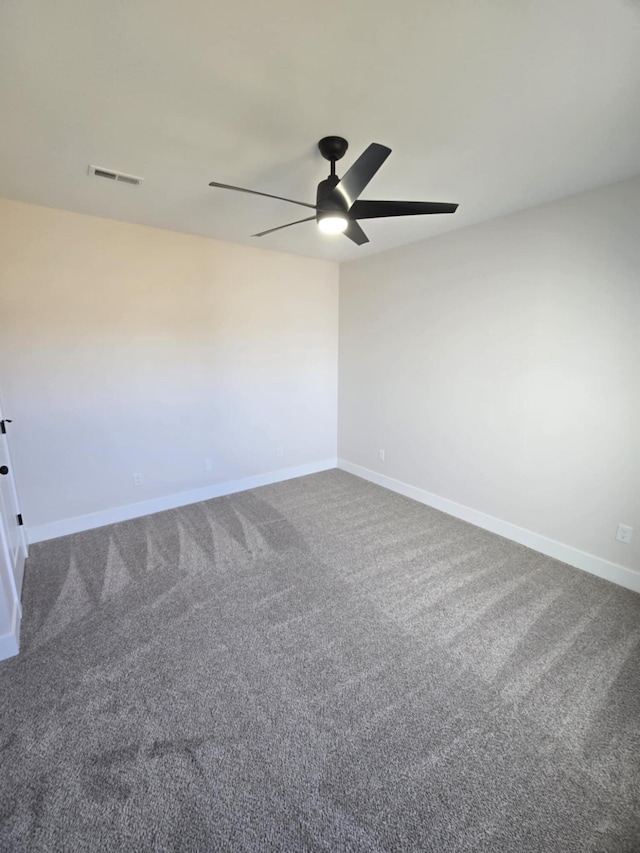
x: 12, y: 537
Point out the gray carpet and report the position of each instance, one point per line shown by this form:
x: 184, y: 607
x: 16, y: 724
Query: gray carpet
x: 318, y: 665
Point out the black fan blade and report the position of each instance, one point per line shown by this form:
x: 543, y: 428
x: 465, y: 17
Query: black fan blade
x: 373, y: 209
x: 280, y: 227
x: 354, y: 232
x: 359, y: 175
x: 267, y: 195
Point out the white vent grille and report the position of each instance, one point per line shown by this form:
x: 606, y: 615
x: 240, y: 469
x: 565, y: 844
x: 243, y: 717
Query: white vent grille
x: 111, y: 175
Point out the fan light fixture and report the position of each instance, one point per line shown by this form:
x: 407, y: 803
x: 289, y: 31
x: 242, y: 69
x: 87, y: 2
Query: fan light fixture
x: 333, y: 224
x: 338, y: 206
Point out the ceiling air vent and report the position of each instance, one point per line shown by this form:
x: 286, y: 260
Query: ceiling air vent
x: 110, y: 175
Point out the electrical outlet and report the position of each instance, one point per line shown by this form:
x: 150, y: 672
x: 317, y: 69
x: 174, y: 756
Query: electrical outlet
x: 280, y: 451
x: 381, y: 455
x: 138, y: 479
x: 624, y: 533
x: 208, y: 464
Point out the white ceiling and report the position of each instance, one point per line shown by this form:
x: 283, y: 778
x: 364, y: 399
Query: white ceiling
x: 495, y: 104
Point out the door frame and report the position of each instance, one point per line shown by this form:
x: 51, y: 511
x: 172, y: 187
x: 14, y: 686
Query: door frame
x: 23, y: 548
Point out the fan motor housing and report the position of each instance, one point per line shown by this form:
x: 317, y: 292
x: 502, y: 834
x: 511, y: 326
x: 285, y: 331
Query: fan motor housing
x: 325, y: 200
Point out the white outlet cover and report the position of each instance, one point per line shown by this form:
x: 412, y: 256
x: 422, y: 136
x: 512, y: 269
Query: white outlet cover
x: 624, y: 533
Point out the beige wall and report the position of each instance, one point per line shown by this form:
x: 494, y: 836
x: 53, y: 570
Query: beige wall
x: 499, y: 367
x: 131, y: 349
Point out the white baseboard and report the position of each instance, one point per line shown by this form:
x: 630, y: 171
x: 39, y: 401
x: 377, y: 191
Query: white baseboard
x: 9, y: 643
x: 65, y: 526
x: 579, y: 559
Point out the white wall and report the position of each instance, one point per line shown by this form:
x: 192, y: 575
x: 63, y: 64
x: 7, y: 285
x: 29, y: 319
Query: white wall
x: 131, y: 349
x: 499, y: 367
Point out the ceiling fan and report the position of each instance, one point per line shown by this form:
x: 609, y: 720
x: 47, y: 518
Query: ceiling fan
x: 338, y: 206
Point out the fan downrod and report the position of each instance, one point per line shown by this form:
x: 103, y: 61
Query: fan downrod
x: 333, y: 148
